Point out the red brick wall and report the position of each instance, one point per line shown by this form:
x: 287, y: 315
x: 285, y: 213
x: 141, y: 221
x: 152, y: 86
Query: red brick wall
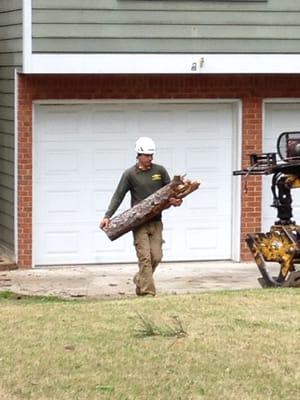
x: 250, y: 89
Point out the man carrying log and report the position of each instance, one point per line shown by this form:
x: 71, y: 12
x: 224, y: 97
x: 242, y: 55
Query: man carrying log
x: 141, y: 180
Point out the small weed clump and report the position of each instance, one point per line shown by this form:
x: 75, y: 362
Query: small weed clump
x: 147, y: 327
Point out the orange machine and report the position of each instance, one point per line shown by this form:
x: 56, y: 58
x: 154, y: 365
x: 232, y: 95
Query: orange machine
x: 282, y: 243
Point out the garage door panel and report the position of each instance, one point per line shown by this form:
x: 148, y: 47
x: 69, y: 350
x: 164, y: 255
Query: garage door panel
x: 167, y: 158
x: 206, y: 236
x: 109, y: 122
x: 103, y: 180
x: 201, y: 158
x: 109, y: 159
x: 103, y: 250
x: 283, y: 119
x: 61, y: 127
x: 76, y: 173
x: 101, y: 244
x: 202, y: 121
x: 215, y: 158
x: 58, y: 203
x: 101, y: 199
x: 279, y: 118
x: 207, y: 201
x: 68, y: 245
x: 108, y: 165
x: 64, y: 163
x: 205, y: 159
x: 151, y: 122
x: 62, y: 204
x: 60, y: 243
x: 58, y: 164
x: 211, y: 121
x: 97, y: 201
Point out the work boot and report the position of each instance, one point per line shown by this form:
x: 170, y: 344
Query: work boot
x: 138, y: 289
x: 139, y: 293
x: 135, y: 281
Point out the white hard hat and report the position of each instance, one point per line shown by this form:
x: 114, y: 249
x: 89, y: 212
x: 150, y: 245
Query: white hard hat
x: 145, y: 145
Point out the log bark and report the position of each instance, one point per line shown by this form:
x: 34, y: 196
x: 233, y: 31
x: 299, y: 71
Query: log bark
x: 148, y: 208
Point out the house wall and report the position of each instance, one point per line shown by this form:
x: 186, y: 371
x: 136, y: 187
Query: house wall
x: 112, y: 26
x: 251, y: 89
x: 10, y: 58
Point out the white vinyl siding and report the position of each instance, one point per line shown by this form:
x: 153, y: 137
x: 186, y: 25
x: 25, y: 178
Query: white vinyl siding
x: 116, y: 26
x: 10, y: 58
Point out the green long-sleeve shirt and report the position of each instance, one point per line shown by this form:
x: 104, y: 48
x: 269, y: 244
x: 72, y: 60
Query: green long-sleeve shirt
x: 140, y: 183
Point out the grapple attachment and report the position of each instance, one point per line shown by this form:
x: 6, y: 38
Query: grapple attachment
x: 280, y: 245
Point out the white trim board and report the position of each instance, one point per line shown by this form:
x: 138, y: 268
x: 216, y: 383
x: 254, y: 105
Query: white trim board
x: 27, y: 35
x: 16, y: 166
x: 236, y: 184
x: 162, y: 63
x: 137, y: 101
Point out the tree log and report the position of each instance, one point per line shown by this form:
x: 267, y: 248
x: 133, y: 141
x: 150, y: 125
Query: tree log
x: 148, y: 208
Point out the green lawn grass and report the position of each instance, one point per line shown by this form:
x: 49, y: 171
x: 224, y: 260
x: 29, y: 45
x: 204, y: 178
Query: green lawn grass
x: 237, y: 345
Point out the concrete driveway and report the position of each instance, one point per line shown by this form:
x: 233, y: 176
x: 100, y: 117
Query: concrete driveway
x: 115, y: 281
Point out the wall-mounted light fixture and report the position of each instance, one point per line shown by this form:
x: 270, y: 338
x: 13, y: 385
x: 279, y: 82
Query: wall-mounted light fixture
x: 196, y: 66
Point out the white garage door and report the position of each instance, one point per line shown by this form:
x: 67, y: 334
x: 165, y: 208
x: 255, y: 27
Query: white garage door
x: 280, y: 117
x: 80, y: 153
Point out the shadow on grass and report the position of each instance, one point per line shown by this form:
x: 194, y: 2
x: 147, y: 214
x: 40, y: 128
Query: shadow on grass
x: 8, y: 295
